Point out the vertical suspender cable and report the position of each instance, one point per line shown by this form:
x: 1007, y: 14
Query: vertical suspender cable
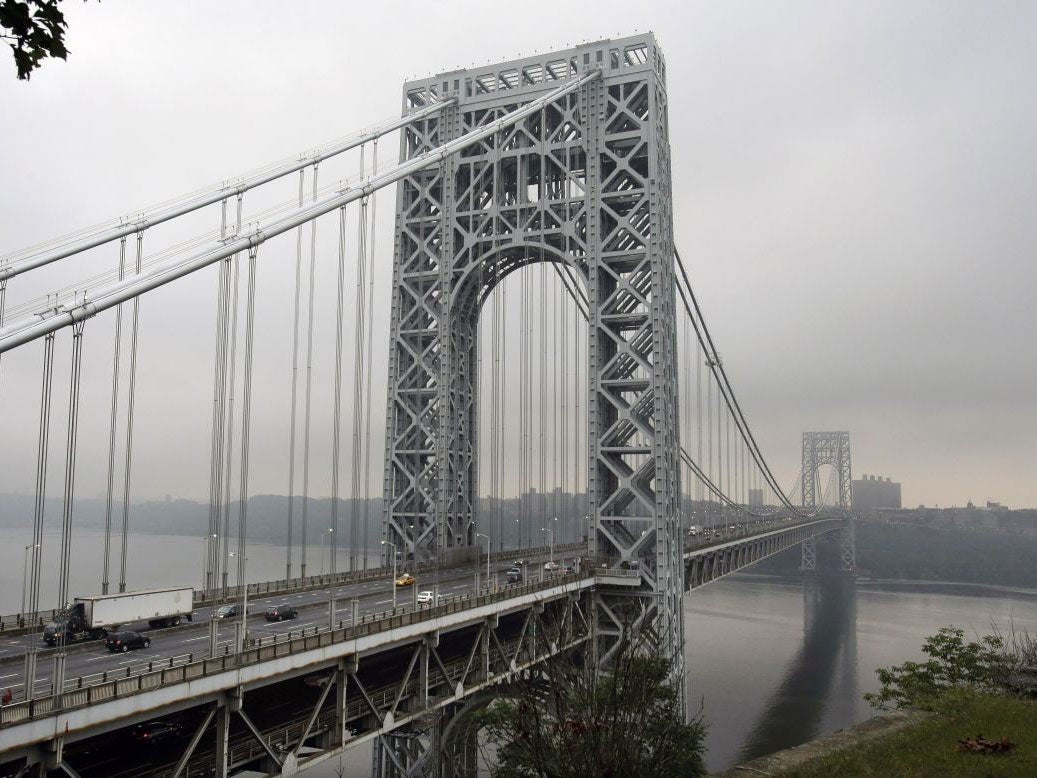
x: 709, y: 448
x: 358, y: 372
x: 720, y: 458
x: 295, y: 383
x: 37, y: 526
x: 503, y: 406
x: 218, y: 533
x: 246, y: 428
x: 732, y: 486
x: 541, y: 380
x: 66, y: 513
x: 216, y: 446
x: 232, y: 357
x: 541, y: 323
x: 112, y: 429
x: 523, y: 392
x: 371, y: 205
x: 494, y: 397
x: 578, y: 442
x: 130, y: 401
x: 563, y: 428
x: 555, y: 410
x: 309, y: 383
x: 336, y: 416
x: 698, y: 414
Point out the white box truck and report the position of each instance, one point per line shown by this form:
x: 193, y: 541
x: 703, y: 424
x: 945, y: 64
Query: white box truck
x: 91, y: 618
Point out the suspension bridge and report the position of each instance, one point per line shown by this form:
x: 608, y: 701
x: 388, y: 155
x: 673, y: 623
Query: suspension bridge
x: 553, y: 393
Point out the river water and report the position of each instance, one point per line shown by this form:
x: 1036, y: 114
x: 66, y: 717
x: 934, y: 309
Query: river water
x: 778, y: 660
x: 772, y: 660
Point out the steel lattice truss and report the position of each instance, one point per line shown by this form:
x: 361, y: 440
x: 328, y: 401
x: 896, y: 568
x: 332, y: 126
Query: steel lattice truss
x: 829, y: 448
x: 584, y: 182
x: 826, y: 448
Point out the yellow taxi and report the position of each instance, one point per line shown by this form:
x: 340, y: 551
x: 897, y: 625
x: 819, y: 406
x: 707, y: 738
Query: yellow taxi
x: 405, y: 580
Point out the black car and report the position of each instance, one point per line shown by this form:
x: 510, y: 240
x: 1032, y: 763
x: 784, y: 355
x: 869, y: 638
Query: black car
x: 156, y: 732
x: 514, y: 575
x: 124, y: 641
x: 281, y: 612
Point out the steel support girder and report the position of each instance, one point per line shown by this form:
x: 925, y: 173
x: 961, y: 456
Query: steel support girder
x: 585, y: 182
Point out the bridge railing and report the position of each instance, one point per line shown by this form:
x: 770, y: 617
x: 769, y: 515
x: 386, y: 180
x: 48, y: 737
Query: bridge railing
x: 747, y: 530
x: 79, y: 693
x: 18, y: 623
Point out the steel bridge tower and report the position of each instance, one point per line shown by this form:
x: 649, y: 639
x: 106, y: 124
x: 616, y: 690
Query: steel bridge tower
x: 829, y: 448
x: 584, y: 183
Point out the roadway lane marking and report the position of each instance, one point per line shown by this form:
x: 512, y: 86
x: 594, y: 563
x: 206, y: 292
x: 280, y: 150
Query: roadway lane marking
x: 12, y: 675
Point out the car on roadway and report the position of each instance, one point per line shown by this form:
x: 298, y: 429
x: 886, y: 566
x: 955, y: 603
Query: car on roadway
x: 514, y: 575
x: 228, y: 611
x: 552, y: 566
x: 280, y: 613
x: 156, y: 731
x: 426, y: 597
x: 125, y: 641
x: 570, y: 568
x: 406, y: 580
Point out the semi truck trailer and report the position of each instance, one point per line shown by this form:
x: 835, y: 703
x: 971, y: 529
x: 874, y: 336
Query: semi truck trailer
x: 92, y: 618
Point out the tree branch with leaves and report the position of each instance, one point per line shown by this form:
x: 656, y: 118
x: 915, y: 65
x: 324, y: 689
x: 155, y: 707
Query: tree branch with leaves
x: 567, y: 720
x: 35, y: 30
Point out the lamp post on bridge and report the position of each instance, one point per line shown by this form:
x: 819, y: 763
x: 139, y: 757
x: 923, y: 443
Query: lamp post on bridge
x: 393, y: 546
x: 551, y: 537
x: 243, y: 622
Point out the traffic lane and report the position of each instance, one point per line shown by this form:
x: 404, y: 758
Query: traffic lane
x: 185, y: 641
x: 16, y: 647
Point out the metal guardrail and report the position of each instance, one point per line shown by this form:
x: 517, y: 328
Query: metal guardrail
x: 17, y: 623
x: 750, y: 530
x: 78, y: 694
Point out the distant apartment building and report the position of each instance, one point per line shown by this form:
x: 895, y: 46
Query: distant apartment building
x: 874, y: 491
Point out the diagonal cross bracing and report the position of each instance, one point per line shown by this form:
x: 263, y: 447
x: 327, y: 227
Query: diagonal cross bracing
x: 583, y: 182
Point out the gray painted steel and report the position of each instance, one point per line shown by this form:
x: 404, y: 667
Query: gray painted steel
x: 585, y: 182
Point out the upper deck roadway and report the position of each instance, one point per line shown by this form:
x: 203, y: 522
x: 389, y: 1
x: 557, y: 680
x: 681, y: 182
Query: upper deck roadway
x: 105, y: 693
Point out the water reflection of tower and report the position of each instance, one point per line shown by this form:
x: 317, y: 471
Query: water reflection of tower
x: 845, y: 697
x: 818, y: 689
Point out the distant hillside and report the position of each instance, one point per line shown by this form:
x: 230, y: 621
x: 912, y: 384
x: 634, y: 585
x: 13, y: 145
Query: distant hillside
x: 922, y: 553
x: 267, y: 516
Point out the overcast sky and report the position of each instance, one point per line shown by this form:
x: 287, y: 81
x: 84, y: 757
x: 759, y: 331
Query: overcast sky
x: 854, y: 185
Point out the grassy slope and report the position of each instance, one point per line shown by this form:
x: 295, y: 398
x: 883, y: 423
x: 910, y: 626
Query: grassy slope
x: 927, y: 749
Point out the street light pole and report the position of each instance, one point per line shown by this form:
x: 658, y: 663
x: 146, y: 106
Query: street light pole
x: 393, y: 546
x: 551, y: 537
x: 243, y: 629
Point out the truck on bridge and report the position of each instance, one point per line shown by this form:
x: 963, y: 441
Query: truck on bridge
x: 91, y: 618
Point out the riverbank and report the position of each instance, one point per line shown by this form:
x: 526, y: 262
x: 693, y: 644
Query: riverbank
x: 916, y: 743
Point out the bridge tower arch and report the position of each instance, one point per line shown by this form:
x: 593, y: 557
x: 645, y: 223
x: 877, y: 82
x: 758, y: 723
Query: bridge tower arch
x: 585, y: 181
x: 828, y: 448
